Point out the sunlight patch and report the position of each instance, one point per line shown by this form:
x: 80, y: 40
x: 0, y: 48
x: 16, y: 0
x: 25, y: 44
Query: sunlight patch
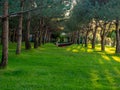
x: 106, y: 57
x: 110, y: 50
x: 89, y: 50
x: 78, y: 47
x: 75, y: 50
x: 97, y: 48
x: 116, y: 58
x: 68, y: 49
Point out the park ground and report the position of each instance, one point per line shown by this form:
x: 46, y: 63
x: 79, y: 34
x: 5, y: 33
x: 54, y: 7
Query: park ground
x: 61, y: 68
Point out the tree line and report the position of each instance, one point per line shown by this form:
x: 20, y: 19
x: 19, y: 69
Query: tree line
x: 40, y: 20
x: 92, y: 17
x: 31, y: 19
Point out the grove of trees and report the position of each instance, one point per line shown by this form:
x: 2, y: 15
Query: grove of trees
x: 41, y: 21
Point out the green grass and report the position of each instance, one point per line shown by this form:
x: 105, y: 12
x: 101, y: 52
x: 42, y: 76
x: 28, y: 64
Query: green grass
x: 65, y: 68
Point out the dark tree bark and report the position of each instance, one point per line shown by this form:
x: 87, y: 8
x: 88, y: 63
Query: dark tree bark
x: 13, y: 38
x: 86, y: 38
x: 45, y: 35
x: 27, y: 34
x: 5, y: 33
x: 74, y: 37
x: 2, y: 21
x: 40, y: 37
x: 117, y: 36
x: 82, y: 38
x: 36, y: 36
x: 41, y: 32
x: 9, y: 36
x: 70, y: 37
x: 78, y: 41
x: 49, y: 37
x: 36, y: 39
x: 94, y: 35
x: 19, y: 31
x: 103, y: 33
x: 102, y: 43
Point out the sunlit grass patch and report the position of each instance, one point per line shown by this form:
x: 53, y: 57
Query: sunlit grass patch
x: 110, y: 50
x: 97, y: 48
x: 78, y: 47
x: 116, y: 58
x: 68, y: 49
x: 105, y: 57
x: 75, y: 50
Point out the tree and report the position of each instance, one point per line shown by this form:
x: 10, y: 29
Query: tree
x: 19, y: 31
x: 27, y: 33
x: 110, y: 11
x: 105, y: 29
x: 5, y: 31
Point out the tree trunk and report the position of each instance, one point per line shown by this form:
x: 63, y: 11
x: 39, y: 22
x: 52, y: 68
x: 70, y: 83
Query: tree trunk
x: 74, y: 37
x: 27, y: 36
x: 9, y: 36
x: 2, y: 31
x: 13, y: 35
x: 36, y: 40
x: 19, y: 32
x: 117, y: 36
x: 49, y: 37
x: 40, y: 37
x: 102, y: 43
x: 86, y: 39
x: 94, y: 37
x: 78, y: 40
x: 5, y: 33
x: 40, y: 32
x: 45, y: 36
x: 103, y: 31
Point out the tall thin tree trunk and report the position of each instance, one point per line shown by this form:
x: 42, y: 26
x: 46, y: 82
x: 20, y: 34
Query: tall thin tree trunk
x: 5, y: 33
x: 78, y: 40
x: 40, y: 32
x: 2, y: 30
x: 19, y: 32
x: 13, y: 35
x: 86, y: 39
x: 9, y: 36
x: 27, y: 36
x: 36, y: 40
x: 94, y: 36
x: 49, y: 37
x: 102, y: 43
x: 48, y: 34
x: 72, y: 37
x: 40, y: 37
x: 102, y: 34
x: 117, y: 36
x: 45, y: 36
x: 76, y: 37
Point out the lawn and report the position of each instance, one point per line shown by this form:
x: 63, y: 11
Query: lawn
x: 61, y: 68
